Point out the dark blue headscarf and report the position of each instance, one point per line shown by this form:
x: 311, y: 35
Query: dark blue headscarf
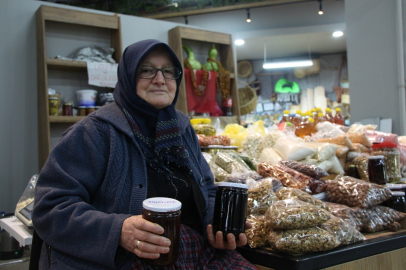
x: 156, y: 130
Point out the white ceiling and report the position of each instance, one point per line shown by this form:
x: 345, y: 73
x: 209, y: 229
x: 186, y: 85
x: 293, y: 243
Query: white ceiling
x: 287, y: 30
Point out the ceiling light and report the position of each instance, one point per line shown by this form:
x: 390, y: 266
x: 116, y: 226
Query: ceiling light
x: 288, y: 64
x: 320, y: 8
x: 338, y: 34
x: 175, y: 4
x: 248, y: 15
x: 239, y: 42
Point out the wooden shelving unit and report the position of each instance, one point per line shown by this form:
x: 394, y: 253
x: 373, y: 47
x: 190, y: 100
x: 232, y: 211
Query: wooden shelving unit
x: 72, y: 19
x: 177, y: 37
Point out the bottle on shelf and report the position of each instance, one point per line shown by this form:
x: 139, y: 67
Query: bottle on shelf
x: 329, y: 116
x: 306, y: 128
x: 285, y: 117
x: 320, y: 118
x: 297, y: 119
x: 338, y: 118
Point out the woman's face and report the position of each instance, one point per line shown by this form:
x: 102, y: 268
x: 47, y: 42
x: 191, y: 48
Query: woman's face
x: 158, y: 91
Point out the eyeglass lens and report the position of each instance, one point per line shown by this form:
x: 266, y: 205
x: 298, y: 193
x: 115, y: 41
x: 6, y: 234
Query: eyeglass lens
x: 149, y: 72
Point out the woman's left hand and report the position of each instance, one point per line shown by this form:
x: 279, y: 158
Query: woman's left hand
x: 217, y: 240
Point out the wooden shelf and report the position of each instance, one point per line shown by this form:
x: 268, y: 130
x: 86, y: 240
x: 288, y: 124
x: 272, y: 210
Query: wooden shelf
x: 66, y: 64
x: 179, y: 35
x: 65, y: 119
x: 68, y: 21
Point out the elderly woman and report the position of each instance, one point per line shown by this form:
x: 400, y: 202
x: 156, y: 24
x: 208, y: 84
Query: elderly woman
x: 89, y: 194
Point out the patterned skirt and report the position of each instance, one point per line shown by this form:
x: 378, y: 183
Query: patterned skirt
x: 196, y: 253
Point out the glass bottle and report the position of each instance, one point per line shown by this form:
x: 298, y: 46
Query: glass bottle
x: 376, y: 170
x: 338, y: 118
x: 329, y: 116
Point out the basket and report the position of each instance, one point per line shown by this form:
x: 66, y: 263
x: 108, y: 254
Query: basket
x: 244, y: 69
x: 248, y: 99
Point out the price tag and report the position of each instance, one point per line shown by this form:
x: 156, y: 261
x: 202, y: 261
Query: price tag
x: 102, y: 74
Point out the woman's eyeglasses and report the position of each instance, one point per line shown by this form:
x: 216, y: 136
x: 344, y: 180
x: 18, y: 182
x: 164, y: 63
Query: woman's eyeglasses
x: 149, y: 72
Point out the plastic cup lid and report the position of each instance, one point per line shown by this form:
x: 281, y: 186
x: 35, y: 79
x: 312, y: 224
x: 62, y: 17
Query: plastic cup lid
x: 229, y: 184
x: 398, y: 193
x: 162, y: 204
x: 375, y: 157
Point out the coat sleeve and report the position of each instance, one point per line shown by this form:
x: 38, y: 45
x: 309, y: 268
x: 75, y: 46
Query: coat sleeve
x: 63, y: 215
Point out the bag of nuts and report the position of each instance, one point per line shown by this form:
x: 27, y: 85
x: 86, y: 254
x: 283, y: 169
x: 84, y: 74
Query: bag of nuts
x: 346, y: 213
x: 354, y: 192
x: 295, y: 214
x: 261, y: 197
x: 267, y: 170
x: 256, y: 236
x: 342, y: 230
x: 307, y: 169
x: 288, y: 193
x: 300, y: 241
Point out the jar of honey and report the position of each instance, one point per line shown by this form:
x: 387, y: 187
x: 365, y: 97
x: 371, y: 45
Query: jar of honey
x: 165, y: 212
x: 376, y: 170
x: 82, y: 111
x: 90, y: 109
x: 230, y: 208
x: 397, y: 201
x: 67, y: 109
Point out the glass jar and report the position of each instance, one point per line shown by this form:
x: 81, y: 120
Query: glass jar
x: 53, y: 106
x: 67, y: 109
x: 391, y: 157
x: 82, y: 111
x: 353, y: 172
x: 230, y: 208
x: 376, y: 170
x: 165, y: 212
x: 90, y: 109
x: 397, y: 201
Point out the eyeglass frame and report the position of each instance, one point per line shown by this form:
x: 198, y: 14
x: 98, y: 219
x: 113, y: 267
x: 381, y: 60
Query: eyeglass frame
x: 160, y: 69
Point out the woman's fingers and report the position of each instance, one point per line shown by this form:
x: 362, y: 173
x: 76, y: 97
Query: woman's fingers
x: 217, y: 241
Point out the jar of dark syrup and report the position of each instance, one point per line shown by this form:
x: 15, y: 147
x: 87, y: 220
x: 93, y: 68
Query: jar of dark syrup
x: 376, y: 170
x: 230, y: 208
x: 165, y: 212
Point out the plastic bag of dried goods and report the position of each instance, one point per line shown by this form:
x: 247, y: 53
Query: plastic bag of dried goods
x: 250, y: 162
x: 295, y: 214
x: 289, y: 193
x: 362, y: 166
x: 205, y: 129
x: 300, y: 241
x: 241, y: 177
x: 261, y: 197
x: 230, y: 164
x: 257, y: 234
x: 218, y: 173
x: 291, y: 149
x: 269, y: 156
x: 342, y: 151
x: 267, y: 170
x: 207, y: 156
x: 344, y: 232
x: 337, y: 168
x: 354, y: 192
x: 295, y: 174
x: 371, y: 221
x: 307, y: 169
x: 323, y: 150
x: 345, y: 212
x: 236, y: 133
x: 251, y: 145
x: 388, y: 215
x: 317, y: 186
x: 270, y: 138
x: 218, y: 140
x: 341, y: 140
x: 359, y: 128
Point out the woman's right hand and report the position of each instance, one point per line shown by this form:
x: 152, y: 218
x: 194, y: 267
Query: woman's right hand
x: 142, y: 238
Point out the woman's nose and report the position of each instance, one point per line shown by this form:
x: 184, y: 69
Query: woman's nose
x: 159, y: 77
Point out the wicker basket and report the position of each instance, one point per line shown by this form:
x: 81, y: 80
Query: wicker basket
x: 248, y: 99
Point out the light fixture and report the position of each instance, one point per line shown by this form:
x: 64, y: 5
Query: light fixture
x: 186, y: 21
x: 338, y: 34
x: 320, y: 8
x: 248, y: 15
x: 239, y: 42
x: 288, y: 64
x: 175, y: 4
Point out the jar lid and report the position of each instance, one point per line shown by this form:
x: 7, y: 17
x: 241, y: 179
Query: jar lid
x: 68, y: 103
x: 52, y: 98
x: 162, y: 204
x: 81, y: 107
x: 395, y: 186
x: 398, y: 193
x: 229, y: 184
x: 384, y: 145
x: 375, y: 157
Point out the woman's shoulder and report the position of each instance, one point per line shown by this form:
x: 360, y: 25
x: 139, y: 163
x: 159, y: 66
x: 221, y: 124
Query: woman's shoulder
x: 184, y: 120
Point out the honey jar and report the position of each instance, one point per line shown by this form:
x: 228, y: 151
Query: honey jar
x: 82, y: 111
x: 53, y: 105
x: 165, y: 212
x: 230, y: 208
x: 376, y: 170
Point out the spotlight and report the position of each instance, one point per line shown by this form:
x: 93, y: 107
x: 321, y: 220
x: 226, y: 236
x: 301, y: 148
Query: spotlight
x: 338, y: 34
x: 248, y: 15
x: 239, y: 42
x: 320, y: 8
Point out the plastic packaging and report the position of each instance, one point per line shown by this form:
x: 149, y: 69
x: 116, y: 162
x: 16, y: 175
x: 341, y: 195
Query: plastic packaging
x: 362, y: 165
x: 261, y: 197
x: 25, y: 204
x: 205, y: 129
x: 288, y: 193
x: 343, y: 230
x: 257, y: 234
x: 295, y: 214
x: 218, y: 173
x: 269, y: 156
x: 346, y: 213
x: 307, y: 169
x: 354, y: 192
x: 300, y: 241
x: 287, y: 176
x: 397, y: 201
x: 290, y: 149
x: 230, y: 164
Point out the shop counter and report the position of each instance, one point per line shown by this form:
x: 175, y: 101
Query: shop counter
x: 382, y: 250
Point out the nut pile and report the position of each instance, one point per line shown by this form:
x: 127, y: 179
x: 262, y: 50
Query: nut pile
x: 295, y: 214
x: 287, y: 193
x: 343, y: 231
x: 354, y: 192
x: 307, y: 169
x: 286, y: 179
x: 302, y: 240
x: 261, y: 197
x: 257, y: 235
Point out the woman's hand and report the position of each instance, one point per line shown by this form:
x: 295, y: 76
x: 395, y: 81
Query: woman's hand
x: 142, y: 238
x: 218, y: 242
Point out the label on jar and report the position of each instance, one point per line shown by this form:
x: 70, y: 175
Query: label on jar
x: 162, y: 204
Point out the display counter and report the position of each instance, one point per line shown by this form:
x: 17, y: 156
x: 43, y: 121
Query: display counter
x: 382, y: 250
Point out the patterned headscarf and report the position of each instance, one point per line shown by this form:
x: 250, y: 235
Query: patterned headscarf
x: 156, y: 130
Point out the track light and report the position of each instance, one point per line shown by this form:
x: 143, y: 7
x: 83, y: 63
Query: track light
x: 288, y: 64
x: 248, y: 15
x: 320, y: 7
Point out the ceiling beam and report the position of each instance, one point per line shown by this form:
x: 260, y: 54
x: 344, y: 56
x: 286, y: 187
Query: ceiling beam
x: 225, y: 8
